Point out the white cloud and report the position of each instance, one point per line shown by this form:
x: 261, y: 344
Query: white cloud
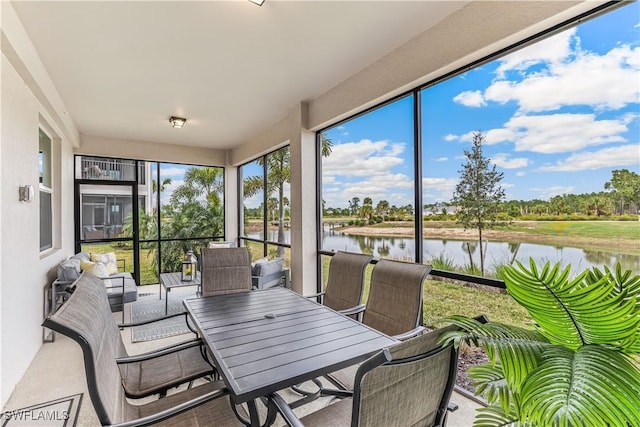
x: 364, y: 169
x: 363, y: 158
x: 495, y: 136
x: 450, y: 137
x: 625, y: 155
x: 172, y: 171
x: 503, y: 161
x: 470, y: 99
x: 521, y: 173
x: 438, y: 189
x: 604, y: 82
x: 551, y: 50
x: 442, y: 159
x: 549, y: 192
x: 560, y: 133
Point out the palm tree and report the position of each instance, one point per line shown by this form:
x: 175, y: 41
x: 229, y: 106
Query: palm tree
x: 278, y: 170
x: 577, y: 367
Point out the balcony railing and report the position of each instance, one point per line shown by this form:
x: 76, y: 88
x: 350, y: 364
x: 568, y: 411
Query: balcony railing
x: 112, y: 170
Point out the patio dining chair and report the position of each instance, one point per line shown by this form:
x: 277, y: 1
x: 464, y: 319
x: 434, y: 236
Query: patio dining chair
x: 86, y: 319
x: 345, y: 282
x: 225, y: 270
x: 394, y: 307
x: 343, y: 293
x: 408, y: 384
x: 144, y: 374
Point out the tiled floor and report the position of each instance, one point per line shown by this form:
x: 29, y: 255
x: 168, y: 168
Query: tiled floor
x: 58, y: 371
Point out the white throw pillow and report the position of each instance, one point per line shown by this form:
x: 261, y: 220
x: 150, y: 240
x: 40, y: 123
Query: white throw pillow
x: 109, y: 260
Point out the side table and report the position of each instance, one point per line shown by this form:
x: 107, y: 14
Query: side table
x: 169, y: 281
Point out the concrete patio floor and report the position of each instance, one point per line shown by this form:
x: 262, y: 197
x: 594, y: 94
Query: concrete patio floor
x: 57, y: 371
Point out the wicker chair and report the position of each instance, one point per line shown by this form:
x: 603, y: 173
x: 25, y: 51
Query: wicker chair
x: 394, y: 307
x: 409, y: 384
x: 345, y: 282
x: 225, y: 270
x: 87, y: 319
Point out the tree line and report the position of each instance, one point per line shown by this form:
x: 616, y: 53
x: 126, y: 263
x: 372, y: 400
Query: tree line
x: 622, y: 197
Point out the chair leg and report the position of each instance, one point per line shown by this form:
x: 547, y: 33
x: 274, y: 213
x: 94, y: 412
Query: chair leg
x: 309, y: 396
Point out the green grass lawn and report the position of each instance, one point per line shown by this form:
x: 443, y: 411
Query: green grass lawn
x: 589, y: 229
x: 442, y: 299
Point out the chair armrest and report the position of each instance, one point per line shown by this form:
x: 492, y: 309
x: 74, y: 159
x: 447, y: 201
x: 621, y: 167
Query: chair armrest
x: 146, y: 322
x: 124, y: 264
x: 161, y: 352
x: 285, y: 410
x: 319, y: 294
x: 412, y: 333
x: 114, y: 286
x: 353, y: 310
x: 175, y: 410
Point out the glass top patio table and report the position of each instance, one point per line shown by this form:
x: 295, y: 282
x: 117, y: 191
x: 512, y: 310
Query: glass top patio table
x: 267, y: 340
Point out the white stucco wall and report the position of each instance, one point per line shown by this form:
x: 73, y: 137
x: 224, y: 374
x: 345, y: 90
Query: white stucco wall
x: 28, y: 102
x: 24, y: 272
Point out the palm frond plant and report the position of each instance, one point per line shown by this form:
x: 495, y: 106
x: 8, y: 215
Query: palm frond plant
x: 577, y: 367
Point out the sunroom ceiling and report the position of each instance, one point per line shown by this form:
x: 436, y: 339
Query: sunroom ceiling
x: 230, y: 67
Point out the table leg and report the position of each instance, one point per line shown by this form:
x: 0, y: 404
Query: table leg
x: 160, y: 293
x: 166, y: 301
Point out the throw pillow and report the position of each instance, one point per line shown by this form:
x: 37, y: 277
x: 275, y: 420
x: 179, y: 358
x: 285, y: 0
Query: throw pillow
x: 255, y: 270
x: 220, y: 245
x: 97, y: 269
x: 268, y: 267
x: 109, y: 261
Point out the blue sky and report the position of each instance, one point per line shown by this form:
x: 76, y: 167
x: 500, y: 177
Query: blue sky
x: 558, y: 115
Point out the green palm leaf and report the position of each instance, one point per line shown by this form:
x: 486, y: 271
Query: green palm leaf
x: 495, y: 416
x: 629, y: 287
x: 574, y: 312
x: 592, y: 386
x: 516, y: 350
x: 489, y: 382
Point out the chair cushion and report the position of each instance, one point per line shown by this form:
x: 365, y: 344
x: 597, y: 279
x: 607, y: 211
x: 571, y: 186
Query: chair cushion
x: 264, y: 268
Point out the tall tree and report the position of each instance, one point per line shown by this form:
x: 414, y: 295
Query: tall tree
x: 626, y: 186
x: 478, y: 193
x: 278, y: 169
x: 354, y: 206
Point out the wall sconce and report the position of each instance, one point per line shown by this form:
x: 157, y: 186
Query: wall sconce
x: 177, y: 122
x: 25, y: 193
x: 258, y: 2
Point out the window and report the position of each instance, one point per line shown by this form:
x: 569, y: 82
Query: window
x: 179, y: 207
x: 559, y: 123
x: 265, y: 215
x: 45, y: 191
x: 368, y: 183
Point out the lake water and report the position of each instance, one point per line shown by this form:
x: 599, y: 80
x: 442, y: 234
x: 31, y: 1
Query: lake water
x: 457, y: 251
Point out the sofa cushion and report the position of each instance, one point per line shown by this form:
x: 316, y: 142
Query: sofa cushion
x: 130, y: 288
x: 263, y: 268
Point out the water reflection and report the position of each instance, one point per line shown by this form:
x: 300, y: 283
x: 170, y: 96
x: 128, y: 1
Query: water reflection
x: 460, y: 253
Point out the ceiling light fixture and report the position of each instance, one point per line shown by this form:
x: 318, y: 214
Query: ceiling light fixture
x: 258, y: 2
x: 177, y: 122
